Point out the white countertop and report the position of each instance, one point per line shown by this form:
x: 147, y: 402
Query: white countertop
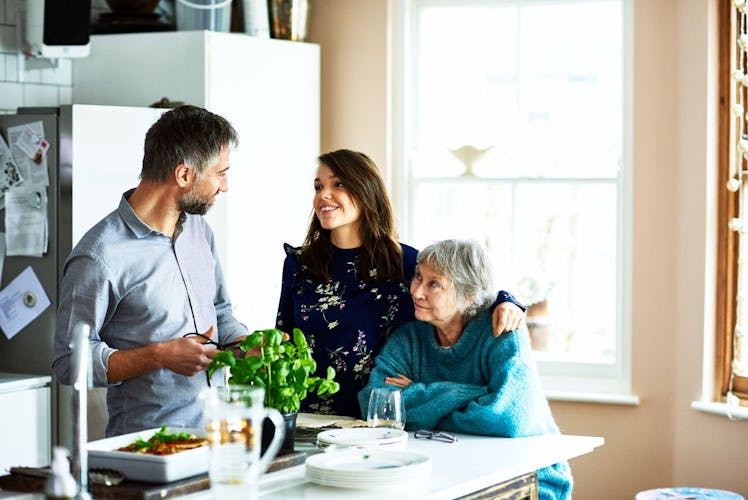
x: 17, y: 381
x: 470, y: 464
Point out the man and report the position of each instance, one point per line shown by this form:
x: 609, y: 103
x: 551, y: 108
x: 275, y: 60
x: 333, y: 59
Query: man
x: 147, y: 280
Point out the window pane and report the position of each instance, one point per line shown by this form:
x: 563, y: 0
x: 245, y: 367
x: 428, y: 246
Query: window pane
x: 517, y: 142
x: 467, y: 74
x: 570, y: 89
x: 552, y: 244
x: 544, y: 98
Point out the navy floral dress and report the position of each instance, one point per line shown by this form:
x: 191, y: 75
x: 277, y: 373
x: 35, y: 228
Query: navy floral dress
x: 346, y: 320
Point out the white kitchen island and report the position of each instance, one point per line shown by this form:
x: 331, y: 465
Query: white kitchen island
x: 471, y: 464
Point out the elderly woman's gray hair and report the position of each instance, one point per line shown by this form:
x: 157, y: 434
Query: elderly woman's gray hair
x: 464, y: 263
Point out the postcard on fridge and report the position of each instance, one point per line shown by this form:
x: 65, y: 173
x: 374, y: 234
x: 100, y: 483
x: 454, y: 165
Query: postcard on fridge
x: 22, y: 301
x: 29, y: 150
x: 26, y: 229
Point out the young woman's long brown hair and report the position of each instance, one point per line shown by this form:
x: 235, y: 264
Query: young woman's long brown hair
x: 380, y: 249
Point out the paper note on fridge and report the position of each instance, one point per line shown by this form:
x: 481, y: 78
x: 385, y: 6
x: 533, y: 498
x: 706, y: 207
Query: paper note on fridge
x: 10, y: 174
x: 21, y: 302
x: 26, y: 221
x: 29, y: 139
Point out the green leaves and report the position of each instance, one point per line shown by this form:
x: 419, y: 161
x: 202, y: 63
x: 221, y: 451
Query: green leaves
x: 165, y: 437
x: 161, y: 436
x: 223, y: 358
x: 284, y: 368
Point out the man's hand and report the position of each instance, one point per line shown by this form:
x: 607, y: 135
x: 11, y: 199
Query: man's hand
x: 183, y: 355
x: 188, y: 355
x: 506, y: 318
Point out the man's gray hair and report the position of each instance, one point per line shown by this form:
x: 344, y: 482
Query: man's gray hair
x: 186, y: 134
x: 464, y: 263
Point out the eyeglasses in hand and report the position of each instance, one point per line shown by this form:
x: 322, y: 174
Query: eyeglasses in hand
x: 209, y: 341
x: 435, y: 435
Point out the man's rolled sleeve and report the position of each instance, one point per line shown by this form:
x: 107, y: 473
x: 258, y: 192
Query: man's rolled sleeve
x: 83, y: 300
x: 100, y: 353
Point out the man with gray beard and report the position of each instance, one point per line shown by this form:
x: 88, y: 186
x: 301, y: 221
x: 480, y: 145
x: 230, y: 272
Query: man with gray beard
x: 147, y: 281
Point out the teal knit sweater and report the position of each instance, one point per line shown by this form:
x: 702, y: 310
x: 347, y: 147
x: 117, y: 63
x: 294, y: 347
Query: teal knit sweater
x: 481, y: 385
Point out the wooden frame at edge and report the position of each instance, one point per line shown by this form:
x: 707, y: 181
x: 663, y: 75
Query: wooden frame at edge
x: 727, y: 240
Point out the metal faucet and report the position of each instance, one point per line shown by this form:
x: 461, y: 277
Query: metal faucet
x: 81, y: 383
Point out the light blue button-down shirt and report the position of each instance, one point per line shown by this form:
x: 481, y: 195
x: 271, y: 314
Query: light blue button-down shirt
x: 135, y: 286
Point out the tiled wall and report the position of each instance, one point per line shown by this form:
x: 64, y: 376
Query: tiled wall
x: 31, y: 87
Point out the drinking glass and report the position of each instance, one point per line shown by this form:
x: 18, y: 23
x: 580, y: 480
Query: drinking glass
x: 386, y: 409
x: 234, y: 416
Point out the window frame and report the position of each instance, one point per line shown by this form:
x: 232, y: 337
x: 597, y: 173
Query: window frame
x: 728, y: 242
x: 562, y: 380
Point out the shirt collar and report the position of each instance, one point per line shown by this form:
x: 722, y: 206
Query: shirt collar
x: 131, y: 219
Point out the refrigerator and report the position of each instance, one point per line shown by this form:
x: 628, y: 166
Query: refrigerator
x: 95, y: 154
x: 270, y: 91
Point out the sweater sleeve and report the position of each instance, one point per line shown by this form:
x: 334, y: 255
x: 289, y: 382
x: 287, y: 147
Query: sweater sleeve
x: 425, y: 403
x: 428, y: 404
x: 555, y: 482
x: 514, y: 404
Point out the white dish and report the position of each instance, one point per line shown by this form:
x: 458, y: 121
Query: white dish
x: 149, y: 468
x: 370, y: 468
x: 362, y: 436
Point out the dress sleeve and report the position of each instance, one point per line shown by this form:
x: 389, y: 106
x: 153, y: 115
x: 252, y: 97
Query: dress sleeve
x: 404, y: 307
x: 285, y: 319
x: 514, y: 405
x: 504, y: 296
x: 425, y: 403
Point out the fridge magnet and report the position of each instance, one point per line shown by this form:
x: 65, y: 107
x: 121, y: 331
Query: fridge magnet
x: 29, y: 153
x: 35, y: 199
x: 29, y: 299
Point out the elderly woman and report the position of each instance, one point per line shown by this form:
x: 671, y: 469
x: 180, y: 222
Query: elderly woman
x: 453, y: 373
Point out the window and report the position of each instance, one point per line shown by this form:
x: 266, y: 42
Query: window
x: 512, y: 133
x: 732, y: 268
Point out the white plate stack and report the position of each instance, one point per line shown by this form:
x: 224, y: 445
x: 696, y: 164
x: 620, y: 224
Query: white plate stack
x: 363, y: 437
x: 369, y: 468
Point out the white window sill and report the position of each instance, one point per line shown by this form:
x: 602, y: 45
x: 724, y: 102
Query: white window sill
x: 593, y: 397
x: 732, y: 412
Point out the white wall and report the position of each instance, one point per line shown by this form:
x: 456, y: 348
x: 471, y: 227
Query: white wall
x: 35, y: 87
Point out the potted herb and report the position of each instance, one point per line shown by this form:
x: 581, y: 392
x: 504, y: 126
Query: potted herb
x: 283, y: 366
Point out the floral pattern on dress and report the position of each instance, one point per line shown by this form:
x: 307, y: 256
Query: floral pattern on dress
x: 345, y: 320
x: 330, y: 297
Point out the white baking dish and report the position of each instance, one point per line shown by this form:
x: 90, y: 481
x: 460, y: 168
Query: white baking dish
x: 150, y: 468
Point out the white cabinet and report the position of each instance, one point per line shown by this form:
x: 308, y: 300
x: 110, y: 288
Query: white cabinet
x: 269, y: 89
x: 25, y: 421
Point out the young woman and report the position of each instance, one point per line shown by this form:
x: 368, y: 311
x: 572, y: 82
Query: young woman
x: 347, y: 286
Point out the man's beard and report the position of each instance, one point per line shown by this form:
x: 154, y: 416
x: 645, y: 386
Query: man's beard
x: 191, y: 203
